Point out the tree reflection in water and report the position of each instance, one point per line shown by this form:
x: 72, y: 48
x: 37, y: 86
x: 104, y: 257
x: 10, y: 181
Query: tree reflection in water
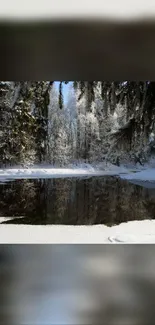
x: 75, y: 201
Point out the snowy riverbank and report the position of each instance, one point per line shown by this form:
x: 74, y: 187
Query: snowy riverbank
x: 144, y: 175
x: 130, y: 232
x: 74, y: 171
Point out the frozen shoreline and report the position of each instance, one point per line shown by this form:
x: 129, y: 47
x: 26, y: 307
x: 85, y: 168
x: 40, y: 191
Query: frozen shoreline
x: 130, y: 232
x: 37, y: 172
x: 144, y: 175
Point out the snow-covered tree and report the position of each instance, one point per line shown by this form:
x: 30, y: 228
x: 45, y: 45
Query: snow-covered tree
x: 71, y: 122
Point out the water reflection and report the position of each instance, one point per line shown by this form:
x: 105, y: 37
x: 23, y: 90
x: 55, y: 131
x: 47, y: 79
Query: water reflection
x: 75, y: 201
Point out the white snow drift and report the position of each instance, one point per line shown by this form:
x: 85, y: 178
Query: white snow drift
x: 22, y: 173
x: 144, y: 175
x: 130, y: 232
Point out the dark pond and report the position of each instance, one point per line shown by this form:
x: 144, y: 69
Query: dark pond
x: 75, y: 201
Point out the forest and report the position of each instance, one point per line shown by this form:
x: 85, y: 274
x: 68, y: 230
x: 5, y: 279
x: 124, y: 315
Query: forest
x: 100, y: 121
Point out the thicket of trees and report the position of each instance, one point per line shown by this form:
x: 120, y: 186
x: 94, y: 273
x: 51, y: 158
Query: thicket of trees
x: 100, y: 120
x: 23, y: 121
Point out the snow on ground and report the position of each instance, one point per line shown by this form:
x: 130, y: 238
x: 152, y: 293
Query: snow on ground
x: 144, y: 175
x: 130, y: 232
x: 40, y: 172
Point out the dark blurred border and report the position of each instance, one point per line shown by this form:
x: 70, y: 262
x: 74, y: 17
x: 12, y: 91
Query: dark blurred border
x: 77, y: 50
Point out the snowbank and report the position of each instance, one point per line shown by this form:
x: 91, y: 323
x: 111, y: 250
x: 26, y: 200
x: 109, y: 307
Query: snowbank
x: 144, y: 175
x: 22, y: 173
x: 130, y: 232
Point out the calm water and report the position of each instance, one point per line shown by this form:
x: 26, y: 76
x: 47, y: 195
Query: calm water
x: 73, y: 201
